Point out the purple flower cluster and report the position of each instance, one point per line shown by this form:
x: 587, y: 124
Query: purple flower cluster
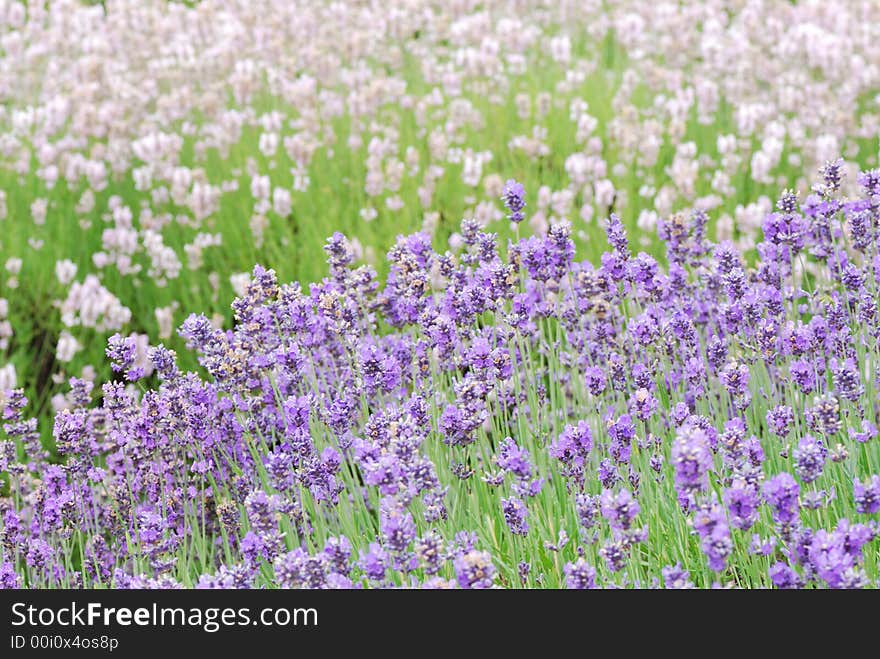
x: 514, y: 198
x: 475, y: 410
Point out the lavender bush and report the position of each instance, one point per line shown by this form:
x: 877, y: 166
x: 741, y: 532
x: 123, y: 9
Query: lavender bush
x: 504, y: 417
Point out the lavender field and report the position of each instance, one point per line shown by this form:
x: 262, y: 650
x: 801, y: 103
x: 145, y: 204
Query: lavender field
x: 439, y: 294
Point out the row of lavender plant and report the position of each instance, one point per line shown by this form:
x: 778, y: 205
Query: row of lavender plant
x: 502, y: 417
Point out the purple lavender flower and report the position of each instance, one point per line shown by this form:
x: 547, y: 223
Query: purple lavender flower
x: 622, y: 432
x: 573, y: 445
x: 513, y: 459
x: 464, y: 542
x: 254, y: 547
x: 781, y: 493
x: 431, y: 552
x: 619, y: 509
x: 579, y: 575
x: 617, y: 236
x: 716, y: 352
x: 297, y: 569
x: 398, y: 529
x: 474, y: 569
x: 867, y: 495
x: 861, y: 229
x: 780, y: 419
x: 340, y: 253
x: 122, y: 352
x: 8, y: 578
x: 760, y: 546
x: 164, y: 362
x: 680, y: 414
x: 716, y: 542
x: 832, y: 175
x: 595, y: 380
x: 809, y: 457
x: 676, y: 578
x: 869, y: 181
x: 783, y: 576
x: 614, y: 552
x: 735, y: 378
x: 830, y: 559
x: 455, y: 427
x: 643, y: 404
x: 608, y: 474
x: 515, y: 513
x: 587, y: 507
x: 262, y: 511
x: 847, y: 382
x: 692, y: 460
x: 804, y: 375
x: 374, y: 562
x: 867, y: 433
x: 824, y: 416
x: 337, y: 551
x: 742, y: 502
x: 514, y: 197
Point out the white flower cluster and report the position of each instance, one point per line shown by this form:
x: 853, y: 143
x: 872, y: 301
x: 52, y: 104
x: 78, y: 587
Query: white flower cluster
x: 89, y: 304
